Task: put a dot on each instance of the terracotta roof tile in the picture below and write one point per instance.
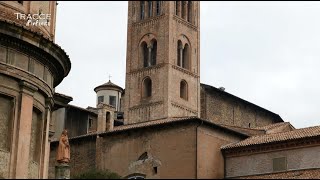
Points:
(248, 131)
(108, 84)
(158, 122)
(276, 125)
(83, 109)
(276, 137)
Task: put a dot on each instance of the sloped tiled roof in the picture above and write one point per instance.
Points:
(272, 126)
(108, 84)
(247, 131)
(160, 122)
(82, 109)
(277, 137)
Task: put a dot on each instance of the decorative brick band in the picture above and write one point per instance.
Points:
(146, 105)
(174, 104)
(147, 22)
(184, 22)
(184, 71)
(147, 70)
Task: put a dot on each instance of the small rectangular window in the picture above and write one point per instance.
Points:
(100, 99)
(112, 101)
(90, 123)
(279, 164)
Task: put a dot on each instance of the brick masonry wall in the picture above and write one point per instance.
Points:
(210, 159)
(83, 156)
(167, 29)
(220, 108)
(171, 149)
(299, 174)
(302, 158)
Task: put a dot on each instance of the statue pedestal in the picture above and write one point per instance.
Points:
(62, 171)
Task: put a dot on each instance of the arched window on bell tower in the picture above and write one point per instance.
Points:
(179, 53)
(142, 10)
(147, 88)
(185, 57)
(154, 52)
(144, 53)
(148, 53)
(184, 90)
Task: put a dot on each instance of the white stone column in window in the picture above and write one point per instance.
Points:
(181, 55)
(149, 55)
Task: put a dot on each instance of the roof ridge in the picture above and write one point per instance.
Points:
(254, 129)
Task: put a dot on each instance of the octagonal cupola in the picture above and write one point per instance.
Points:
(109, 93)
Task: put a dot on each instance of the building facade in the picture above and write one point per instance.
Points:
(283, 152)
(163, 60)
(31, 66)
(109, 93)
(175, 127)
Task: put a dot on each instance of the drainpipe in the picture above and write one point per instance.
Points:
(224, 165)
(197, 148)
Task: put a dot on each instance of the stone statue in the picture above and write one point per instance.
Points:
(63, 153)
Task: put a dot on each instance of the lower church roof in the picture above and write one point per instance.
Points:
(156, 123)
(294, 134)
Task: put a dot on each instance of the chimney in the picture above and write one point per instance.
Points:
(105, 117)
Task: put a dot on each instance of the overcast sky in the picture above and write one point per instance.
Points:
(267, 53)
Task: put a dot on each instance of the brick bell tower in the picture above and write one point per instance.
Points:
(163, 60)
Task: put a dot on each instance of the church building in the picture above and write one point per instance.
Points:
(166, 124)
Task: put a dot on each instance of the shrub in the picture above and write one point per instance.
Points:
(97, 174)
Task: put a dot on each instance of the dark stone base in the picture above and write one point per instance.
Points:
(62, 171)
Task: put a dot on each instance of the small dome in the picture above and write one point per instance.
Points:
(108, 86)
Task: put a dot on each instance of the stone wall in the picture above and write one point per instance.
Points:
(27, 64)
(8, 8)
(58, 121)
(262, 163)
(6, 106)
(30, 67)
(35, 144)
